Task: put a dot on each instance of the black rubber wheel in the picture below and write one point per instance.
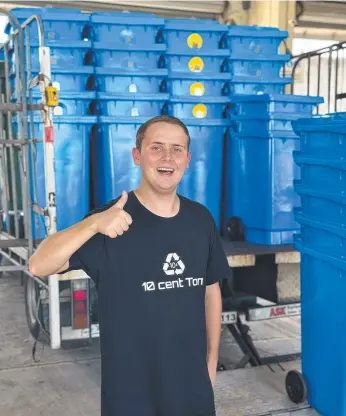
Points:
(235, 229)
(31, 295)
(296, 386)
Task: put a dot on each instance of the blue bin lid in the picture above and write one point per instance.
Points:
(306, 220)
(305, 249)
(284, 98)
(274, 134)
(159, 72)
(334, 163)
(51, 14)
(122, 120)
(132, 97)
(69, 120)
(259, 80)
(78, 70)
(74, 44)
(200, 100)
(112, 46)
(127, 18)
(259, 57)
(199, 122)
(257, 31)
(287, 116)
(301, 189)
(192, 25)
(199, 76)
(334, 123)
(70, 95)
(200, 53)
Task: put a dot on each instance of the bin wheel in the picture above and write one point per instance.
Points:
(235, 229)
(296, 386)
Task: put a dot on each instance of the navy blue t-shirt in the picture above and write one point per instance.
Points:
(151, 285)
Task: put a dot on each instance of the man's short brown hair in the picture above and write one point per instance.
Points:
(160, 119)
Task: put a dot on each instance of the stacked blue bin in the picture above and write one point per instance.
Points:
(254, 60)
(131, 83)
(322, 243)
(260, 169)
(66, 33)
(198, 80)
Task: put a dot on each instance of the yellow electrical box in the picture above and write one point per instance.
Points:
(52, 96)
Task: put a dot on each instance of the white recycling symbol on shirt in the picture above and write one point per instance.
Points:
(173, 265)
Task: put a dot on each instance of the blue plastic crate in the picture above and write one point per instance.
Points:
(184, 35)
(204, 108)
(128, 81)
(199, 85)
(264, 104)
(140, 58)
(71, 168)
(260, 174)
(66, 80)
(71, 103)
(262, 66)
(321, 204)
(255, 39)
(322, 173)
(262, 125)
(62, 55)
(256, 85)
(124, 28)
(112, 147)
(72, 80)
(323, 286)
(203, 62)
(58, 24)
(323, 136)
(322, 236)
(202, 181)
(131, 105)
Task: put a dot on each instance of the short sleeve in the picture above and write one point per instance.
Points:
(88, 257)
(218, 267)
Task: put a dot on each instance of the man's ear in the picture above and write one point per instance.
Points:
(136, 154)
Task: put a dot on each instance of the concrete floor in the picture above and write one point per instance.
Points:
(67, 382)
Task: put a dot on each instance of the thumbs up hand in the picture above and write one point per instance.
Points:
(115, 220)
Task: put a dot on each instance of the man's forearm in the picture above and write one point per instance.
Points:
(213, 306)
(54, 252)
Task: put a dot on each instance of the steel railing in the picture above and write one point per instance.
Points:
(322, 72)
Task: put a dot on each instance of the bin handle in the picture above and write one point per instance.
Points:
(88, 32)
(162, 62)
(92, 83)
(223, 44)
(90, 58)
(225, 66)
(159, 38)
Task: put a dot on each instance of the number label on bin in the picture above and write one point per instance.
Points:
(228, 318)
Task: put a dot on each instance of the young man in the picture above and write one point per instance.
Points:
(156, 259)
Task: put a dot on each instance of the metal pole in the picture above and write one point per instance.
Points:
(53, 281)
(13, 170)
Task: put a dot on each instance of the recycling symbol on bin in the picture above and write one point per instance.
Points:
(173, 265)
